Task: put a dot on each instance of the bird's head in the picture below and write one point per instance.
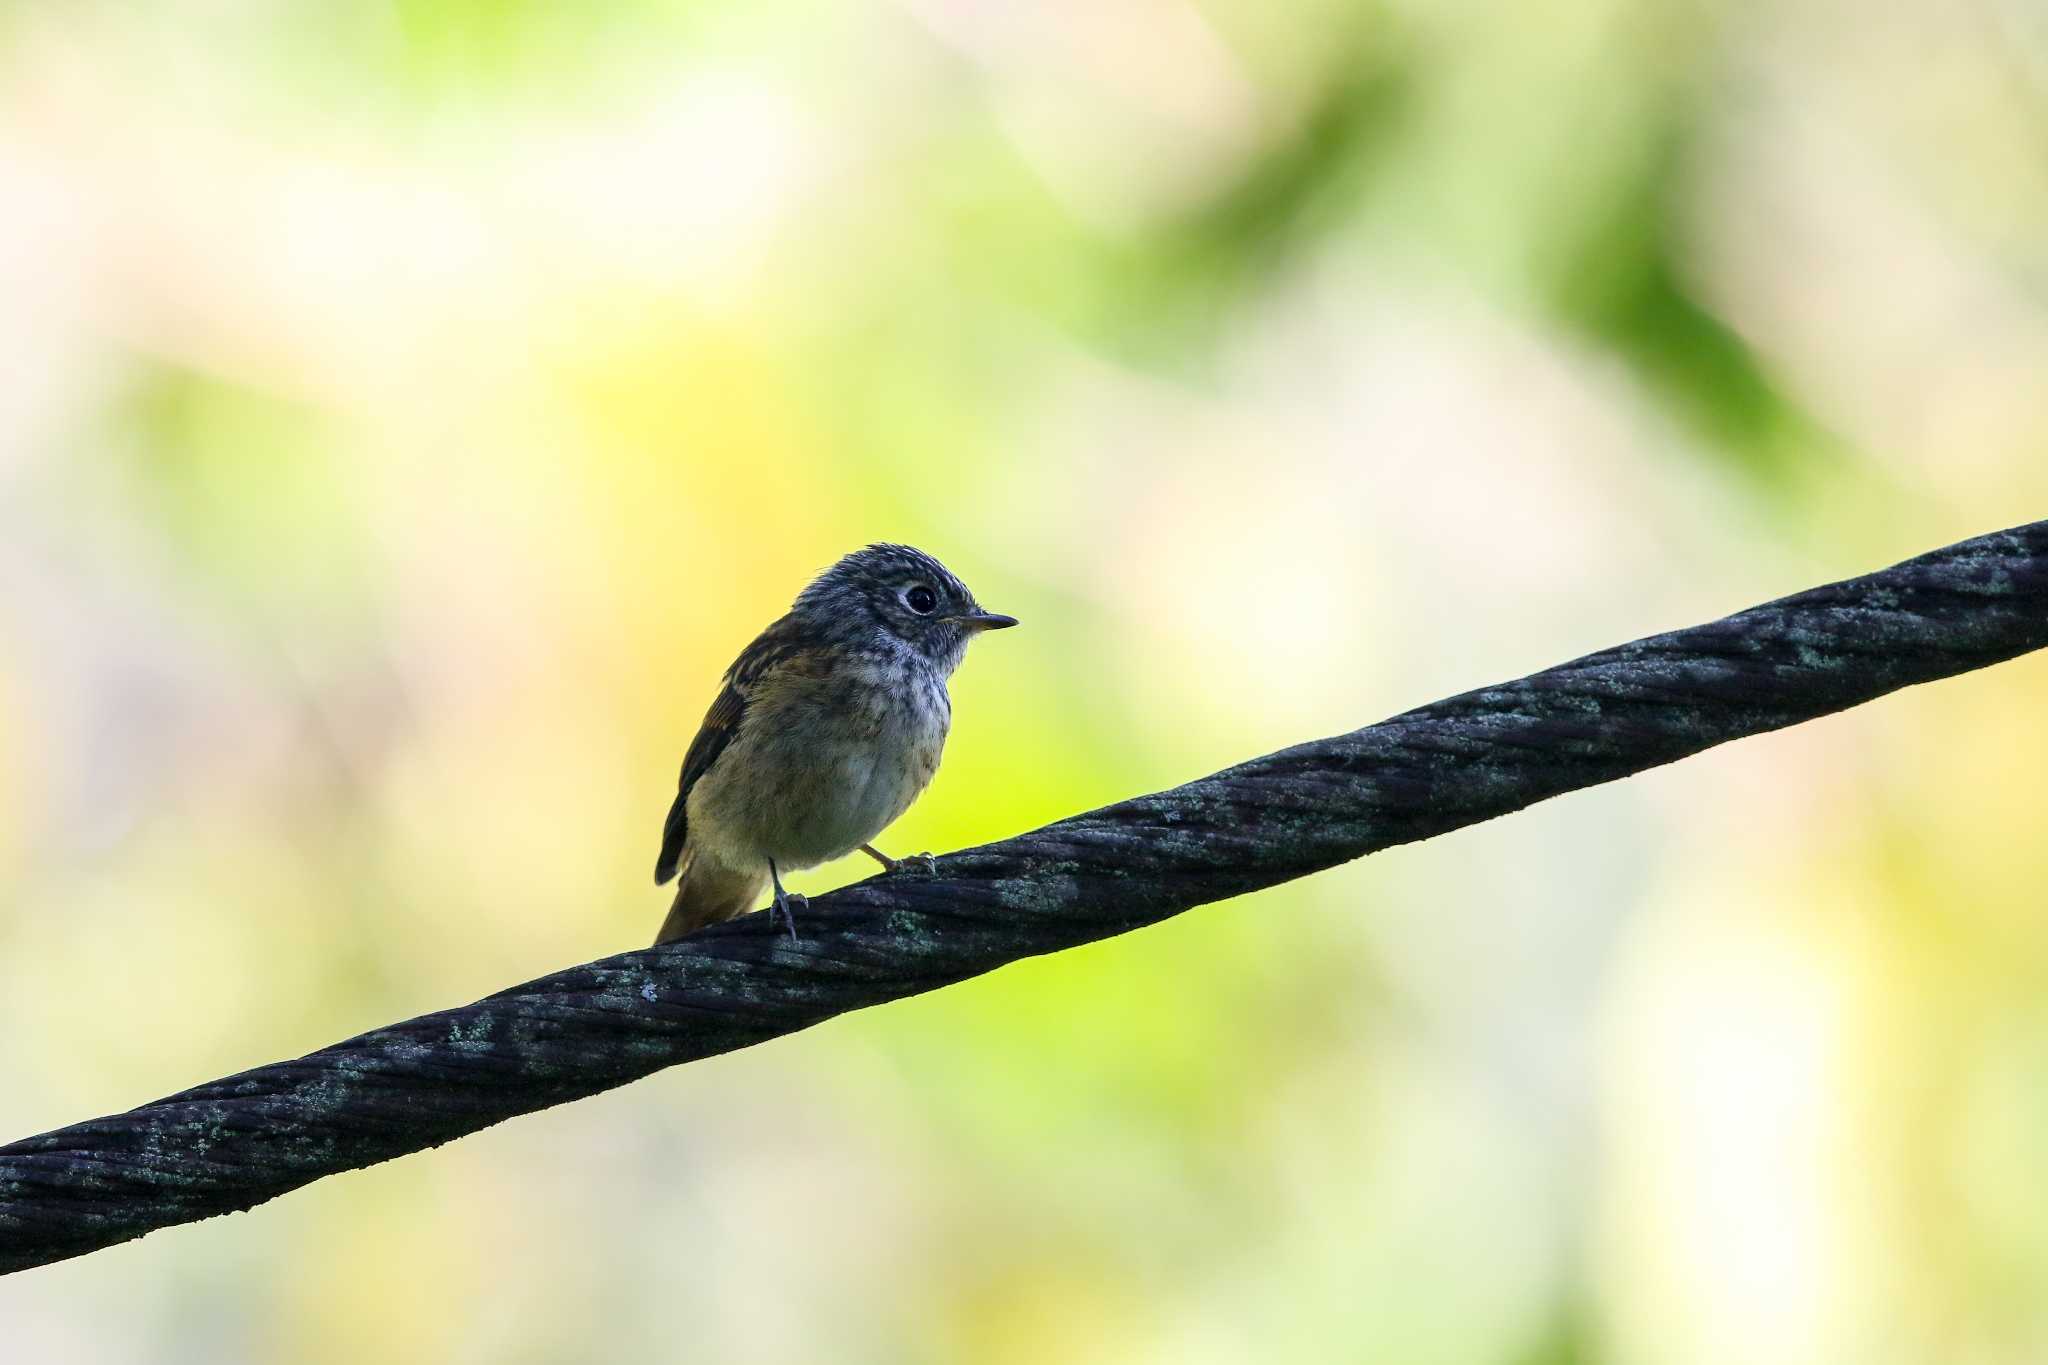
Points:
(904, 596)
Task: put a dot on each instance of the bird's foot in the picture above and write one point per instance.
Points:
(924, 861)
(787, 903)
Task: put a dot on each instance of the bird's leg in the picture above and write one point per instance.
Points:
(931, 865)
(786, 901)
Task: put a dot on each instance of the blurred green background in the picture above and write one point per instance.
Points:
(408, 408)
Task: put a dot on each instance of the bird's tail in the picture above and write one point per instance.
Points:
(708, 891)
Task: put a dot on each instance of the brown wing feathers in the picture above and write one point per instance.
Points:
(721, 722)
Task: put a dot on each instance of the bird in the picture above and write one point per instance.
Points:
(823, 732)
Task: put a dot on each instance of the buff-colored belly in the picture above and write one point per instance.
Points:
(803, 784)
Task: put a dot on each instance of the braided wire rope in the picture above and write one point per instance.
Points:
(233, 1143)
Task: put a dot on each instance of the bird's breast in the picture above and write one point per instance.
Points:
(819, 771)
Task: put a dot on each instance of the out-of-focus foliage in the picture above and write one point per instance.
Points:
(407, 409)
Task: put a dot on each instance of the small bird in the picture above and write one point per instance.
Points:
(827, 728)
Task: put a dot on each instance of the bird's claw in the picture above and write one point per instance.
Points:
(786, 905)
(928, 864)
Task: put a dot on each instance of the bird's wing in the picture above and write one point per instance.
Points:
(772, 647)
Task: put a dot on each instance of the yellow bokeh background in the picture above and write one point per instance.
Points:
(408, 408)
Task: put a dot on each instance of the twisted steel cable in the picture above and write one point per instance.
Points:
(233, 1143)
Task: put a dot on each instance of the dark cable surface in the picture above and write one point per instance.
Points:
(233, 1143)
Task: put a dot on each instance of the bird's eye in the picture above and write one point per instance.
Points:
(921, 600)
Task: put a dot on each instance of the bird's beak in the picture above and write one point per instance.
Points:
(985, 620)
